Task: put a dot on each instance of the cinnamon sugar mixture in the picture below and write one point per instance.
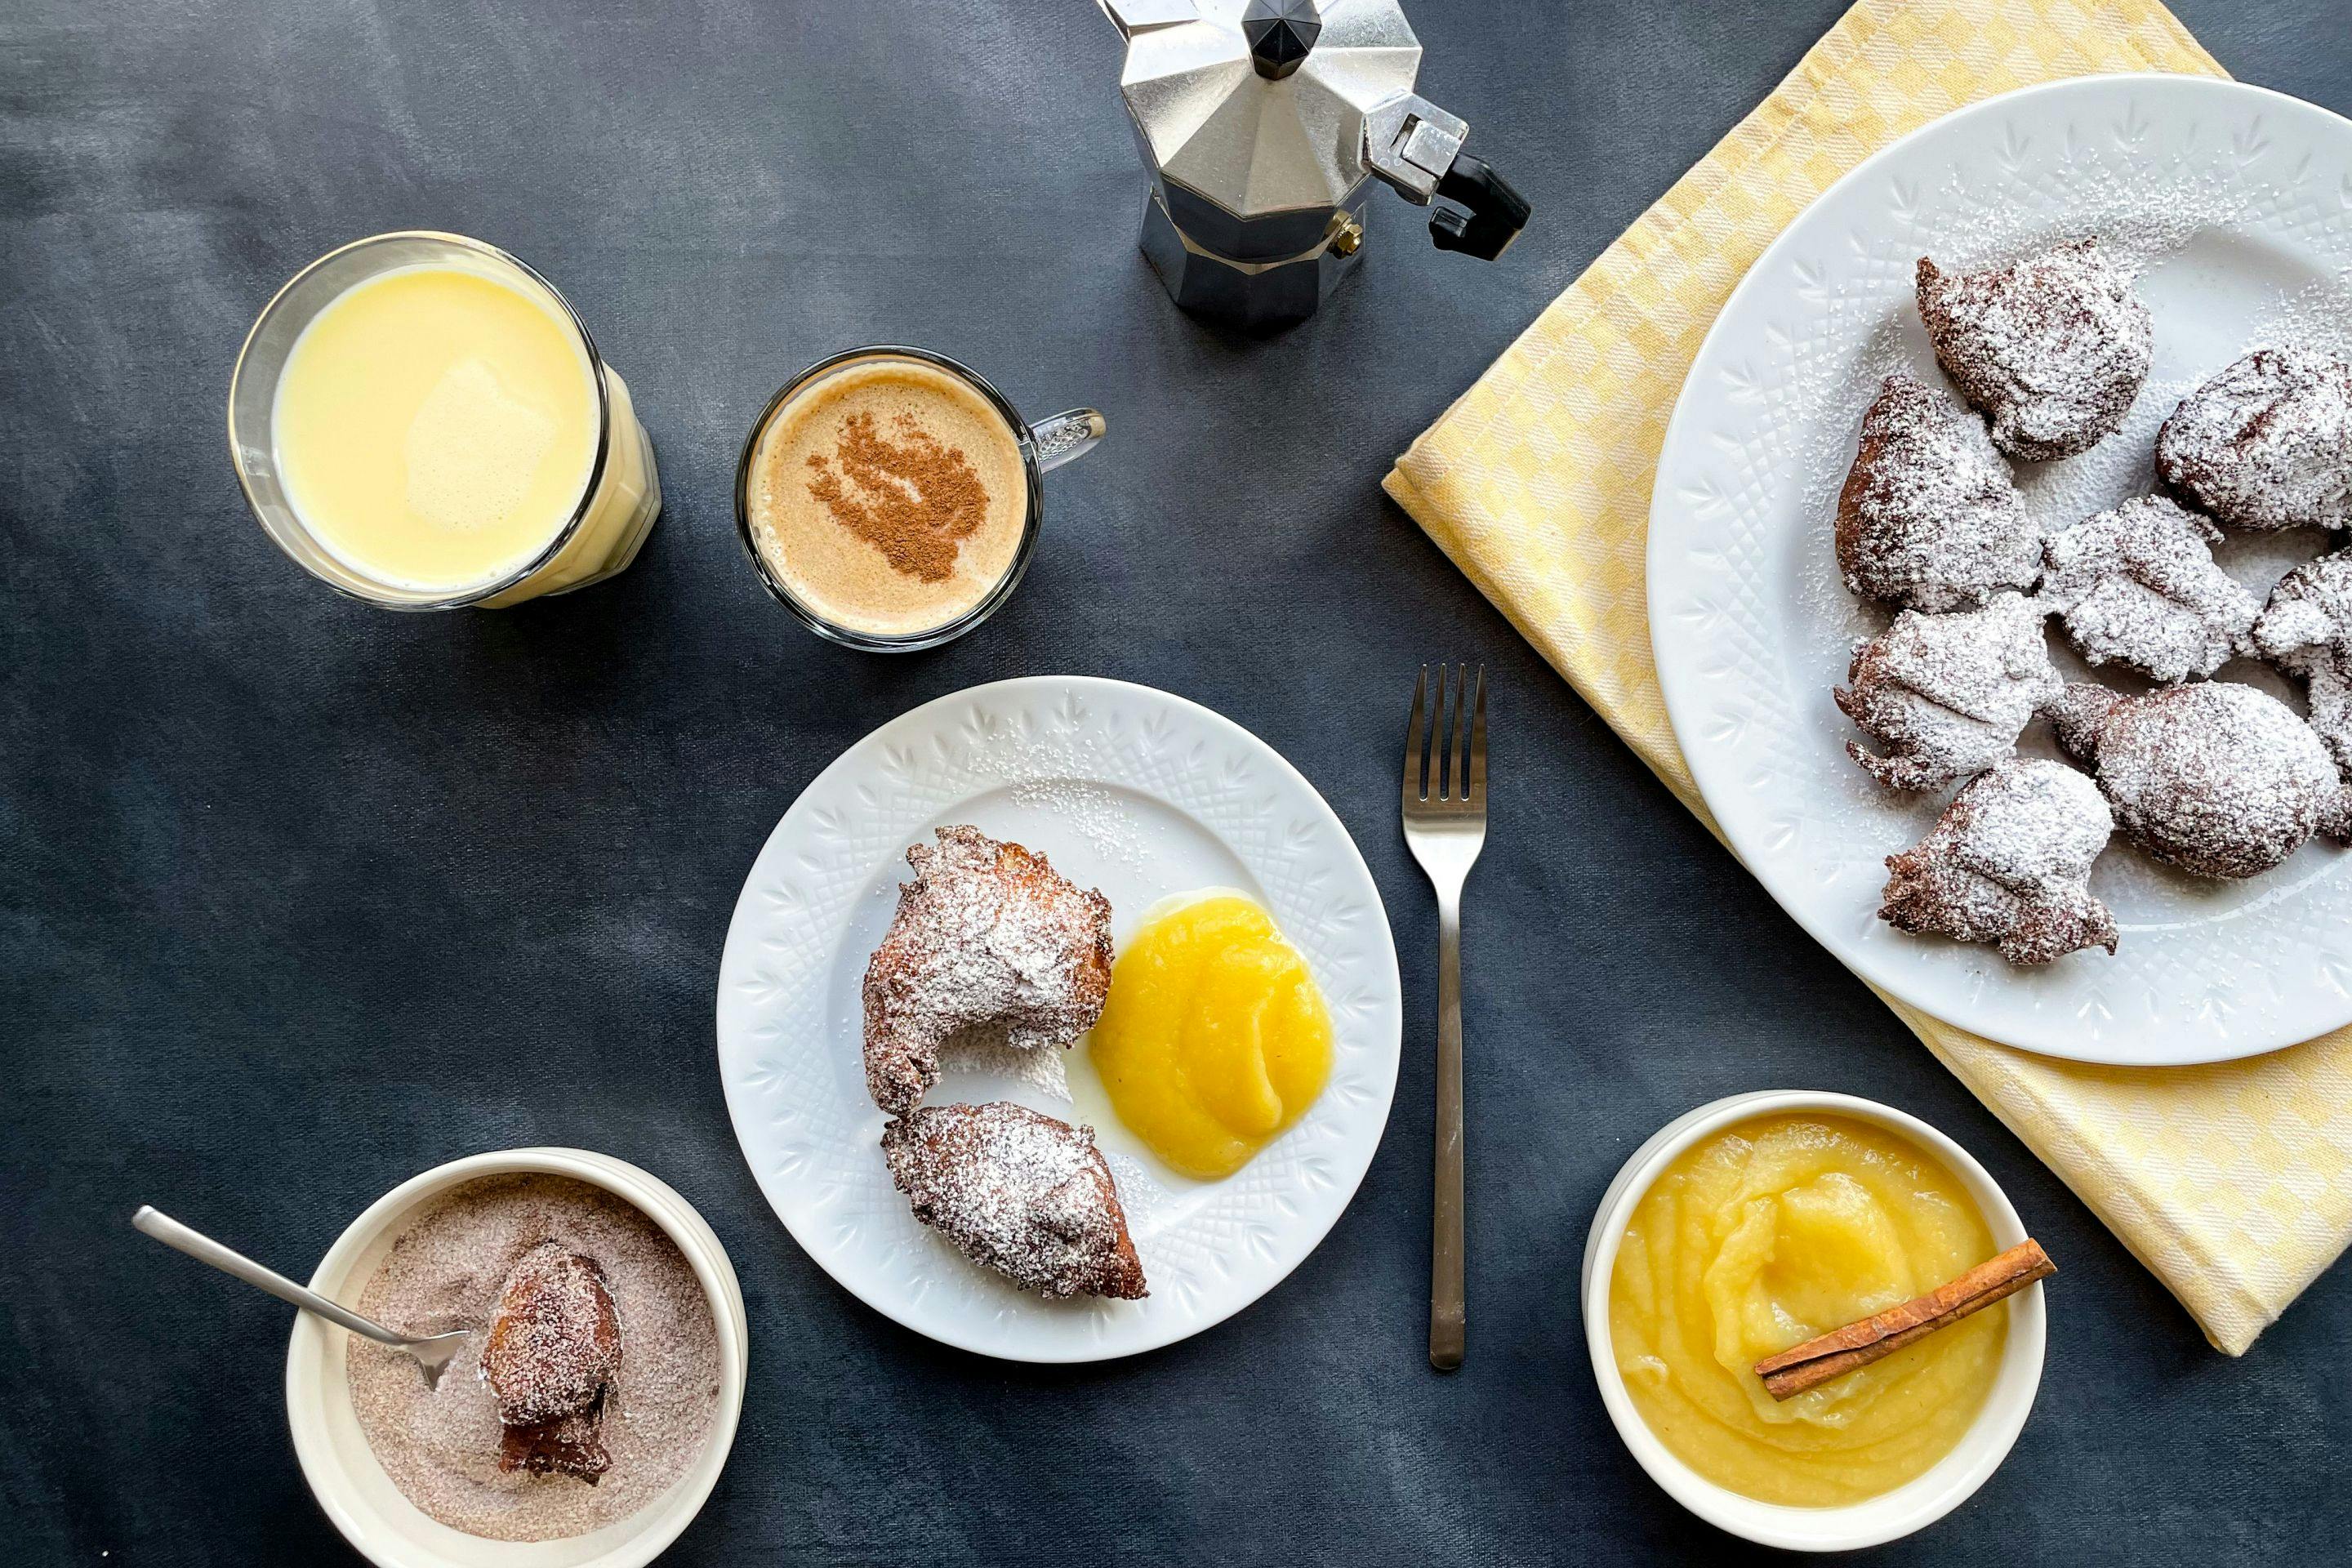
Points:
(440, 1446)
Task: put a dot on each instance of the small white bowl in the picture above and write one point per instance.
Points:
(352, 1486)
(1913, 1506)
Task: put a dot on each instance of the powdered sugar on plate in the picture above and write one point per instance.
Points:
(1048, 773)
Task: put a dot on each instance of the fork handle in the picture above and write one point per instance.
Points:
(1447, 1306)
(153, 1222)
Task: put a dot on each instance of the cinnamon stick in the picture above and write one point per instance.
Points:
(1842, 1351)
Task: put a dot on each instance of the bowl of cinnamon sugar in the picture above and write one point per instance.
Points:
(585, 1423)
(1817, 1322)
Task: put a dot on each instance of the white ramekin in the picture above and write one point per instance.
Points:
(352, 1486)
(1911, 1507)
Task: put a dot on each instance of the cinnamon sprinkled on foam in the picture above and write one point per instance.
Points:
(907, 493)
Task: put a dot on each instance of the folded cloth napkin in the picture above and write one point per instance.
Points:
(2233, 1183)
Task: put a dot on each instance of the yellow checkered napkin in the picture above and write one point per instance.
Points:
(2233, 1183)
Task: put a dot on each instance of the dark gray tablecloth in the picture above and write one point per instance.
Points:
(300, 897)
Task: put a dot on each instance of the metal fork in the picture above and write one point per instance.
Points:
(433, 1351)
(1445, 826)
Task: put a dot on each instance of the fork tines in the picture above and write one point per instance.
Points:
(1452, 773)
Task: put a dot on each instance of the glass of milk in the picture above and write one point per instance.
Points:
(421, 421)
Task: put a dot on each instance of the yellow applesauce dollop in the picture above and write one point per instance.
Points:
(1765, 1236)
(1214, 1039)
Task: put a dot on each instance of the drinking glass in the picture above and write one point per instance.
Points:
(1044, 446)
(617, 505)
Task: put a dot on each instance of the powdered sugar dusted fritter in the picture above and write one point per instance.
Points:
(1929, 518)
(2138, 586)
(1949, 695)
(2053, 348)
(2265, 444)
(990, 946)
(2217, 778)
(1017, 1192)
(2010, 862)
(2307, 630)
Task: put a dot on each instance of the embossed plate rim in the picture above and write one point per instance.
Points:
(968, 1309)
(2055, 1012)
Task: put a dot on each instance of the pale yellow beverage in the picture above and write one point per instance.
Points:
(436, 429)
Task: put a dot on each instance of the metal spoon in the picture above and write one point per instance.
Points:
(432, 1351)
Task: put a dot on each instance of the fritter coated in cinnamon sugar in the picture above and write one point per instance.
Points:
(554, 1346)
(554, 1339)
(1929, 518)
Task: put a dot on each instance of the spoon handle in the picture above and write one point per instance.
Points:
(205, 1250)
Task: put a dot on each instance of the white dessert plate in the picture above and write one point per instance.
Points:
(1123, 788)
(2237, 203)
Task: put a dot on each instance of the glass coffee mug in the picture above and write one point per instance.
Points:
(891, 497)
(421, 421)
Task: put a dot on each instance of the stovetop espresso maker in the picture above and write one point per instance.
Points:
(1263, 122)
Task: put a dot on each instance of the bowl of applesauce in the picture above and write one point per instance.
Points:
(1761, 1220)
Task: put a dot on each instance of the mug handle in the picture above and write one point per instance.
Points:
(1065, 437)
